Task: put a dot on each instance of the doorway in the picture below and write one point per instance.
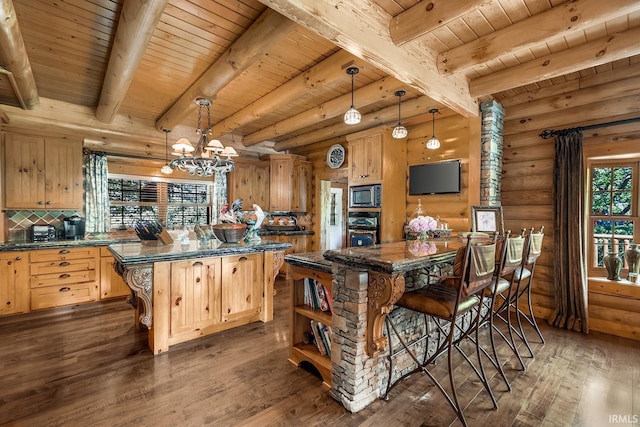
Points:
(333, 214)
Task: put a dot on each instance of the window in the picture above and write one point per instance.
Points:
(173, 204)
(614, 214)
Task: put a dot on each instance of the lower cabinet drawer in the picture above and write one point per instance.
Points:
(70, 277)
(56, 296)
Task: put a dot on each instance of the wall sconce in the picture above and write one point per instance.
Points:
(399, 131)
(433, 143)
(352, 116)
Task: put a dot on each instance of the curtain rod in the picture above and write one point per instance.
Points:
(126, 156)
(548, 133)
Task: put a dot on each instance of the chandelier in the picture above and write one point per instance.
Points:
(206, 158)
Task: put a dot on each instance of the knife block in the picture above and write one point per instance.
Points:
(165, 237)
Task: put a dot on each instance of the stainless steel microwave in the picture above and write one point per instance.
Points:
(365, 196)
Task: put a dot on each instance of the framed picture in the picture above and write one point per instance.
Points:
(487, 219)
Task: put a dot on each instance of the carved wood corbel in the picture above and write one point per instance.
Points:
(139, 278)
(383, 291)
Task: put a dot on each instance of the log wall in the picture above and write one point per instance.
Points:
(527, 185)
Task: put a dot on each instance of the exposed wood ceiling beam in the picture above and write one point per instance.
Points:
(415, 107)
(324, 73)
(362, 28)
(13, 55)
(137, 22)
(369, 94)
(554, 23)
(267, 31)
(427, 16)
(601, 51)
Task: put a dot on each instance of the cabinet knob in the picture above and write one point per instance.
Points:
(63, 251)
(48, 202)
(64, 264)
(197, 263)
(18, 258)
(65, 276)
(65, 289)
(40, 202)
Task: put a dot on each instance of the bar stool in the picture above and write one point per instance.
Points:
(446, 302)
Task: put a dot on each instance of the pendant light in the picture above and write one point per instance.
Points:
(166, 169)
(433, 143)
(352, 116)
(399, 131)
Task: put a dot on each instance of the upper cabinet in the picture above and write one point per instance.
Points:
(365, 158)
(290, 188)
(42, 173)
(250, 182)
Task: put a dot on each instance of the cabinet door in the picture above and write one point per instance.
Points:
(63, 174)
(302, 186)
(240, 185)
(14, 284)
(24, 170)
(365, 159)
(261, 186)
(242, 280)
(112, 285)
(195, 294)
(280, 189)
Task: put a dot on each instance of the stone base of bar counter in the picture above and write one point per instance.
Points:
(366, 283)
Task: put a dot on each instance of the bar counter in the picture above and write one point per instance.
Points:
(367, 281)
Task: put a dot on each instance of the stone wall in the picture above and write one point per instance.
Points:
(491, 154)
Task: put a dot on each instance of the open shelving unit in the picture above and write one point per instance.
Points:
(301, 314)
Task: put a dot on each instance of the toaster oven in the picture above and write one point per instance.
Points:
(42, 233)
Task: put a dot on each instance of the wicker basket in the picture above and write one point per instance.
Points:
(229, 233)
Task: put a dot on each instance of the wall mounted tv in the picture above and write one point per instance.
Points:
(434, 178)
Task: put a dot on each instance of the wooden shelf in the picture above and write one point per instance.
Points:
(301, 315)
(314, 314)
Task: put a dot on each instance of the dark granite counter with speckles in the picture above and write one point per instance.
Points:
(143, 252)
(284, 233)
(311, 260)
(396, 257)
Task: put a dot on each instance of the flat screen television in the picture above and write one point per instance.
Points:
(434, 178)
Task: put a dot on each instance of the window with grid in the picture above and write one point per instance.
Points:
(173, 204)
(614, 212)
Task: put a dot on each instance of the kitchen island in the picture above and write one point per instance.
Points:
(183, 292)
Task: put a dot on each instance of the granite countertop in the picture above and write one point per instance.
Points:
(24, 245)
(396, 257)
(311, 260)
(149, 252)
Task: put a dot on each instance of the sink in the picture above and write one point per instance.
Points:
(275, 227)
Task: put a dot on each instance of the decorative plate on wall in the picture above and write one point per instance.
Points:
(335, 156)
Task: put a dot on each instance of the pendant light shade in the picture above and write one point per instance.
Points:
(166, 169)
(399, 131)
(433, 143)
(352, 116)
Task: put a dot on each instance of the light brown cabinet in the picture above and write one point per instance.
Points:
(290, 187)
(14, 283)
(195, 295)
(365, 159)
(111, 283)
(375, 157)
(42, 173)
(250, 182)
(242, 276)
(66, 276)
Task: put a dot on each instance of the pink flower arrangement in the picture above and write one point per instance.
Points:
(422, 224)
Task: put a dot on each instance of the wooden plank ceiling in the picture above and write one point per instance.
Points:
(116, 72)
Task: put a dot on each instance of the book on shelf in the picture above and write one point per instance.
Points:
(325, 335)
(317, 337)
(316, 295)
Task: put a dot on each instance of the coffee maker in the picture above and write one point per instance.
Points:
(73, 227)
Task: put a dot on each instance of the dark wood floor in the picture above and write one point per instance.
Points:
(87, 366)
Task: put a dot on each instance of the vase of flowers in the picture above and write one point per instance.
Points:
(422, 226)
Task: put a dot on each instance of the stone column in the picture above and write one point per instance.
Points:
(219, 195)
(491, 158)
(354, 375)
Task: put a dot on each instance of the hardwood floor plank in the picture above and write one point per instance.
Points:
(87, 365)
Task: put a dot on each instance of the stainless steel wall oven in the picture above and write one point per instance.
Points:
(363, 228)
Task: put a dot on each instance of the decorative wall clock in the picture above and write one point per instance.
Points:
(335, 156)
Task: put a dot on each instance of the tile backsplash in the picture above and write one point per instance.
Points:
(18, 222)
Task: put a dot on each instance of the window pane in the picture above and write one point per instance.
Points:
(601, 179)
(601, 203)
(622, 178)
(622, 203)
